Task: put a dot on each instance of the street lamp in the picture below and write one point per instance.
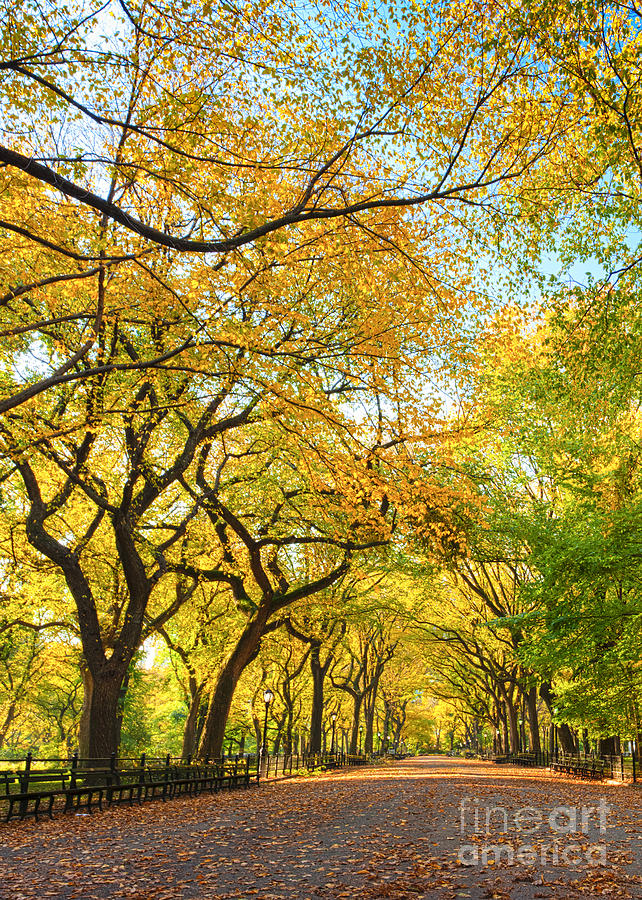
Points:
(334, 725)
(360, 738)
(379, 739)
(268, 697)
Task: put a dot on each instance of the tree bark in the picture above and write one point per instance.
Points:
(316, 718)
(356, 717)
(505, 737)
(244, 652)
(8, 719)
(609, 746)
(369, 715)
(566, 739)
(511, 715)
(190, 733)
(533, 719)
(98, 732)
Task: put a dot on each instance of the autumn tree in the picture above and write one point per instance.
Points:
(228, 273)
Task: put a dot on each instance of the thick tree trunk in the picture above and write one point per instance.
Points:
(289, 717)
(609, 746)
(566, 738)
(83, 727)
(98, 733)
(243, 653)
(505, 738)
(214, 731)
(533, 719)
(316, 718)
(369, 715)
(401, 721)
(356, 716)
(513, 725)
(565, 735)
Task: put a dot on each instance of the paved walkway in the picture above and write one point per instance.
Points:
(422, 828)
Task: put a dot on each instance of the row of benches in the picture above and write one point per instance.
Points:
(520, 759)
(34, 792)
(580, 768)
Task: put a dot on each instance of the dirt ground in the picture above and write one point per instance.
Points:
(422, 828)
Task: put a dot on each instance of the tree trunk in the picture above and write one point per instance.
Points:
(316, 718)
(566, 739)
(288, 742)
(608, 746)
(83, 727)
(401, 721)
(586, 747)
(369, 715)
(190, 733)
(533, 719)
(256, 724)
(8, 719)
(98, 732)
(120, 712)
(356, 716)
(565, 734)
(242, 655)
(511, 715)
(505, 738)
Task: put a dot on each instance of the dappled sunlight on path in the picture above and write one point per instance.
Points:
(422, 828)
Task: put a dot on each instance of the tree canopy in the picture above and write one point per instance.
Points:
(300, 385)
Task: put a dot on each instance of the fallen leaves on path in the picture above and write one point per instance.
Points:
(385, 832)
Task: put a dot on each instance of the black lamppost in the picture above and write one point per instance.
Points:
(334, 725)
(268, 697)
(379, 738)
(360, 738)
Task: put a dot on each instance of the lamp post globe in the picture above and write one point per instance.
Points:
(334, 725)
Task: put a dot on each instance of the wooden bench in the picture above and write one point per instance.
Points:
(360, 760)
(234, 774)
(26, 792)
(32, 792)
(580, 768)
(28, 802)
